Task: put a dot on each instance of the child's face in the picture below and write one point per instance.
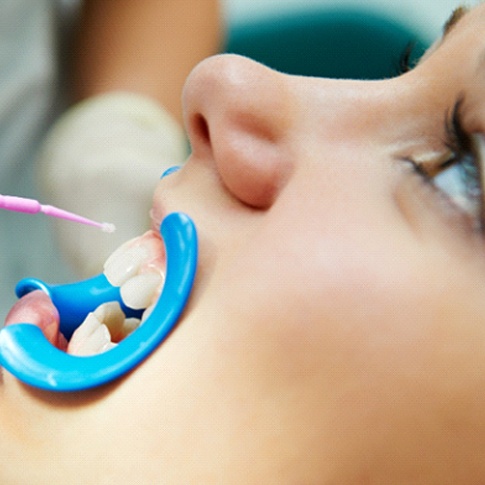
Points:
(337, 326)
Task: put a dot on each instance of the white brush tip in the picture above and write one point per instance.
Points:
(108, 227)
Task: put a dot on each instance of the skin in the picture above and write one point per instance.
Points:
(335, 332)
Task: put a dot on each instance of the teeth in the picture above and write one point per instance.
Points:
(138, 291)
(130, 325)
(101, 329)
(124, 263)
(137, 267)
(120, 250)
(92, 337)
(147, 313)
(113, 317)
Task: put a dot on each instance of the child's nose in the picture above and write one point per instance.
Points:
(238, 114)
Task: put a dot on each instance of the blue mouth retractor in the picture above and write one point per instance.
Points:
(28, 355)
(170, 171)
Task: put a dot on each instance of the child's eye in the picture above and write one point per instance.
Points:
(460, 180)
(459, 177)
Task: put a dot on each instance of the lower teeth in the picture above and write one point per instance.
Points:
(102, 330)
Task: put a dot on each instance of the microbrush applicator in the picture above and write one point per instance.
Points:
(32, 206)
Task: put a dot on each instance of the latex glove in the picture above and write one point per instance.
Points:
(102, 160)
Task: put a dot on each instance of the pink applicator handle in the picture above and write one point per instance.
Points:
(32, 206)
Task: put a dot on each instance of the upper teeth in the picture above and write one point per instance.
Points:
(138, 291)
(124, 263)
(137, 267)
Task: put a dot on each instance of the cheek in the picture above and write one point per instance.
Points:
(369, 343)
(345, 311)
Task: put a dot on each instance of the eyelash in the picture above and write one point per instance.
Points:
(461, 172)
(464, 156)
(405, 65)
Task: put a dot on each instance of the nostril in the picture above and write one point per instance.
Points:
(201, 128)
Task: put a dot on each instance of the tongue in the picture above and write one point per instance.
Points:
(36, 308)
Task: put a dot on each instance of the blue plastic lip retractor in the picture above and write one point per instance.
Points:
(28, 355)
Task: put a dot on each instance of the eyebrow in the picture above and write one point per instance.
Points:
(457, 14)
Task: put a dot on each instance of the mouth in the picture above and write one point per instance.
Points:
(138, 268)
(26, 350)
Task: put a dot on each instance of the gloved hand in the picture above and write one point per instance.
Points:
(102, 160)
